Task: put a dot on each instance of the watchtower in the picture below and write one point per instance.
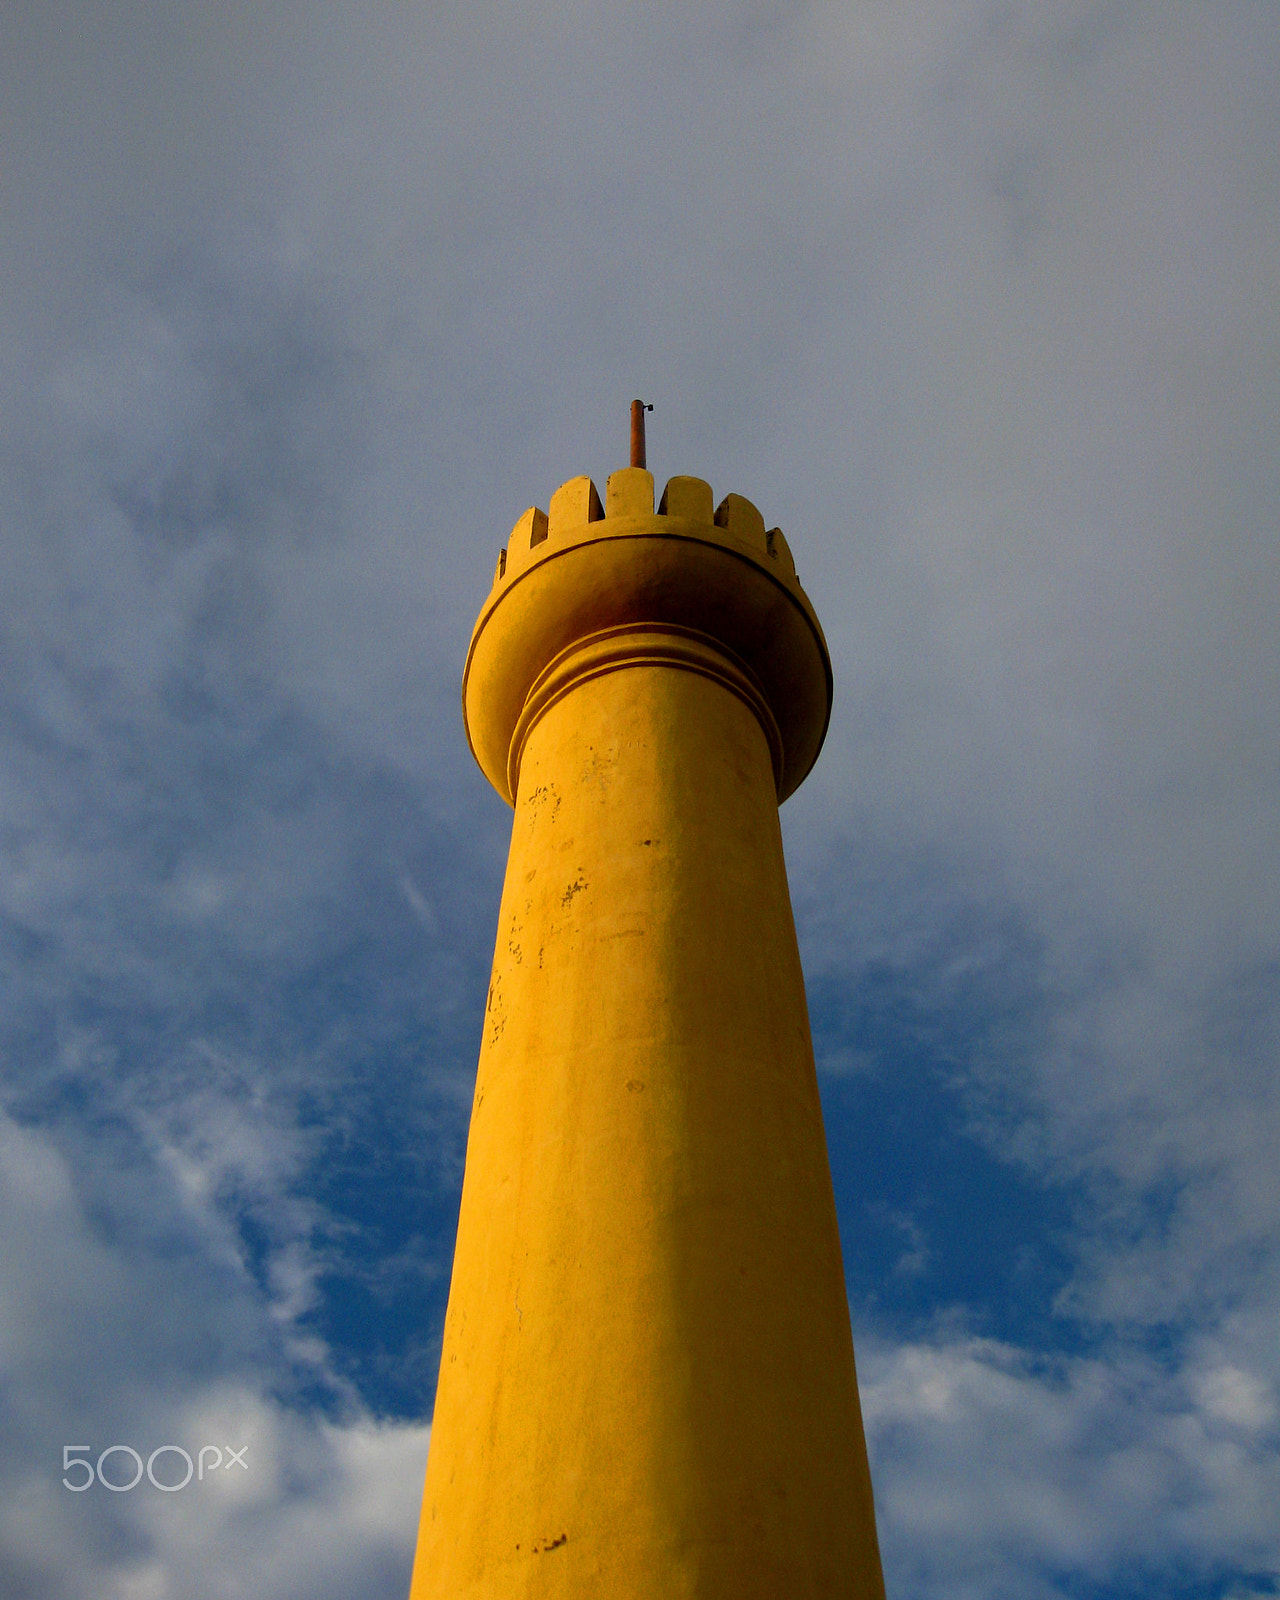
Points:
(647, 1385)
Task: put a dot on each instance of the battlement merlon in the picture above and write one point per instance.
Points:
(587, 568)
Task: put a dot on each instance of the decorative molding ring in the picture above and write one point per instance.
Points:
(640, 644)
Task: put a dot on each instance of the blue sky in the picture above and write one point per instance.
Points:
(300, 307)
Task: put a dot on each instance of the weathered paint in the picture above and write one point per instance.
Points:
(647, 1382)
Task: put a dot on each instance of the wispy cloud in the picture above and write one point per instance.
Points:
(997, 1474)
(299, 312)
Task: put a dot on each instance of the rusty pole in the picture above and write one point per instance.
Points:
(638, 409)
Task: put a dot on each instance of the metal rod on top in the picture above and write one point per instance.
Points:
(638, 409)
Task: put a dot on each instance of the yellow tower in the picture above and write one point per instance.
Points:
(647, 1385)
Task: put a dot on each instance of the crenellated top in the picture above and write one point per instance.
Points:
(582, 569)
(628, 496)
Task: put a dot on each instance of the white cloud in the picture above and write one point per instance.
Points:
(998, 1474)
(106, 1340)
(280, 1501)
(1050, 615)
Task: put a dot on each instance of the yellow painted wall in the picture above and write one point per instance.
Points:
(647, 1383)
